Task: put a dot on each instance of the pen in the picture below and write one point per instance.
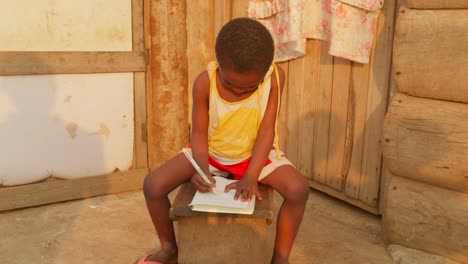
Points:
(197, 168)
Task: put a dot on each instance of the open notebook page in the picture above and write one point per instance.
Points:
(220, 199)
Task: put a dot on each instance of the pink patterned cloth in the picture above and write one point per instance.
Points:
(349, 26)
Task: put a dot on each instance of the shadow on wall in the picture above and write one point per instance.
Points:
(42, 138)
(45, 132)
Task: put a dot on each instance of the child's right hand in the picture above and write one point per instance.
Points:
(201, 184)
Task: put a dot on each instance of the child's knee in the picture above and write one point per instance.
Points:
(151, 188)
(299, 190)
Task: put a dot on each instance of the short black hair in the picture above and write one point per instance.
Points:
(244, 45)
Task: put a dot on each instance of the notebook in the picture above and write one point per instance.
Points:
(221, 202)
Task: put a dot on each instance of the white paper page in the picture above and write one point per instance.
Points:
(220, 198)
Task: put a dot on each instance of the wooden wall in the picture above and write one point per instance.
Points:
(332, 111)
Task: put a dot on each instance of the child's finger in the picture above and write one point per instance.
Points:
(198, 180)
(200, 187)
(258, 195)
(212, 180)
(230, 187)
(238, 194)
(245, 195)
(249, 196)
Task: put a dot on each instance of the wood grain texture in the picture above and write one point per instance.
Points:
(167, 100)
(427, 218)
(342, 196)
(357, 113)
(223, 13)
(234, 240)
(293, 108)
(338, 117)
(322, 114)
(430, 54)
(31, 63)
(309, 74)
(239, 8)
(200, 41)
(63, 190)
(426, 140)
(379, 79)
(283, 115)
(437, 4)
(141, 145)
(138, 38)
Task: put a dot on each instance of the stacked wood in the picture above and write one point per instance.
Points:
(427, 140)
(437, 4)
(427, 218)
(431, 53)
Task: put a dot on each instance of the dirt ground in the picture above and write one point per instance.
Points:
(117, 229)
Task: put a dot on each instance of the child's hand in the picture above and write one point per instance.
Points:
(246, 188)
(201, 184)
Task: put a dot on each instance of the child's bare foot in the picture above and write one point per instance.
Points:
(166, 255)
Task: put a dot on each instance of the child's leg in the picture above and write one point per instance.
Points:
(157, 185)
(294, 188)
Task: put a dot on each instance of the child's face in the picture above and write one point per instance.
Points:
(240, 83)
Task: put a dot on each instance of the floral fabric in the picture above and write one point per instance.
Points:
(348, 26)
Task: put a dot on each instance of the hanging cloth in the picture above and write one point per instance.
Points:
(349, 26)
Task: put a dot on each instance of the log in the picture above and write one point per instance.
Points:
(437, 4)
(427, 140)
(430, 53)
(427, 218)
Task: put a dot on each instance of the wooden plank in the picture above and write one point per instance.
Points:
(30, 63)
(138, 39)
(200, 44)
(427, 218)
(141, 146)
(357, 114)
(223, 13)
(149, 72)
(437, 4)
(379, 81)
(294, 97)
(393, 90)
(283, 115)
(384, 185)
(339, 114)
(239, 8)
(168, 128)
(431, 51)
(342, 196)
(63, 190)
(306, 116)
(322, 115)
(426, 140)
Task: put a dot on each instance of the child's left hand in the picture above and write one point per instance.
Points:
(247, 187)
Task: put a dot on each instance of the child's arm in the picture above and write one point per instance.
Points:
(248, 186)
(199, 138)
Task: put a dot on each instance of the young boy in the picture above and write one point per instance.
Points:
(235, 113)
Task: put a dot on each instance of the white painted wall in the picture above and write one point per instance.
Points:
(65, 25)
(68, 126)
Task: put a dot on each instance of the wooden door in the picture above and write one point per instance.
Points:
(332, 111)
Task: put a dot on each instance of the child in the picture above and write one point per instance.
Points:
(235, 111)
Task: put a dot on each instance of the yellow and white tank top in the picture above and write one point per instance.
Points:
(233, 126)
